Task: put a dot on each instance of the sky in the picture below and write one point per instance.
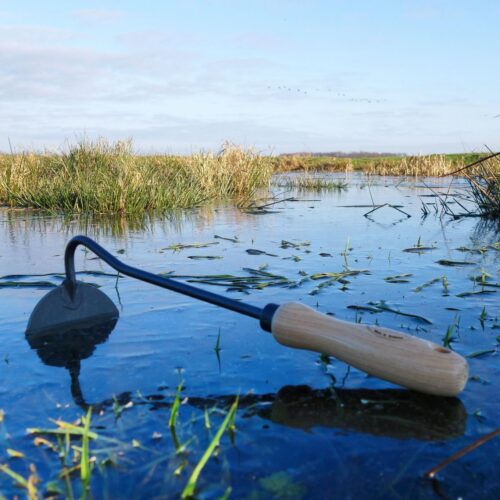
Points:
(277, 75)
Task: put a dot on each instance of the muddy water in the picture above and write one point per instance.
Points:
(307, 426)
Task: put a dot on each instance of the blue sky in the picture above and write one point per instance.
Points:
(277, 75)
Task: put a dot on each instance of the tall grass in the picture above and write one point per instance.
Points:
(484, 182)
(293, 163)
(103, 177)
(411, 166)
(108, 178)
(416, 166)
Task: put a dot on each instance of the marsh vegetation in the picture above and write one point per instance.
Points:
(105, 178)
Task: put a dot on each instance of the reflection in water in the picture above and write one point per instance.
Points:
(486, 231)
(21, 222)
(66, 348)
(394, 413)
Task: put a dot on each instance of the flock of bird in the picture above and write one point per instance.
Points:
(341, 95)
(298, 91)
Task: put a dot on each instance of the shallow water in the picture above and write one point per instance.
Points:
(307, 426)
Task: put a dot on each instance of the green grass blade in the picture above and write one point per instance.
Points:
(190, 487)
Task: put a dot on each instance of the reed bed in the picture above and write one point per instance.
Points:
(410, 166)
(295, 163)
(103, 177)
(484, 183)
(108, 178)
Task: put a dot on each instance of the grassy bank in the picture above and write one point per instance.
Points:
(102, 177)
(424, 165)
(108, 178)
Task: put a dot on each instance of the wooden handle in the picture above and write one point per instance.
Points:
(399, 358)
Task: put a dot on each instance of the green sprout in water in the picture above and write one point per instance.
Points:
(174, 412)
(448, 338)
(190, 487)
(445, 283)
(483, 316)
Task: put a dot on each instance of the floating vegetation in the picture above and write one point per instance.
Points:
(398, 278)
(258, 279)
(55, 275)
(484, 279)
(288, 244)
(418, 248)
(339, 275)
(253, 251)
(295, 258)
(479, 354)
(382, 306)
(428, 283)
(204, 257)
(233, 240)
(474, 292)
(331, 278)
(477, 250)
(27, 284)
(452, 263)
(181, 246)
(371, 309)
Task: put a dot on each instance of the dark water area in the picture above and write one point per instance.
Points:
(307, 426)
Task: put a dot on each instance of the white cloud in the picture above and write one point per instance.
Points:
(98, 16)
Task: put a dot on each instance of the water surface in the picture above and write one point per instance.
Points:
(307, 426)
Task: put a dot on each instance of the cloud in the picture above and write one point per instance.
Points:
(40, 64)
(98, 16)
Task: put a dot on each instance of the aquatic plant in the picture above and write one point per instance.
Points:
(484, 182)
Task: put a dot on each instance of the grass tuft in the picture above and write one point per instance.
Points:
(103, 177)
